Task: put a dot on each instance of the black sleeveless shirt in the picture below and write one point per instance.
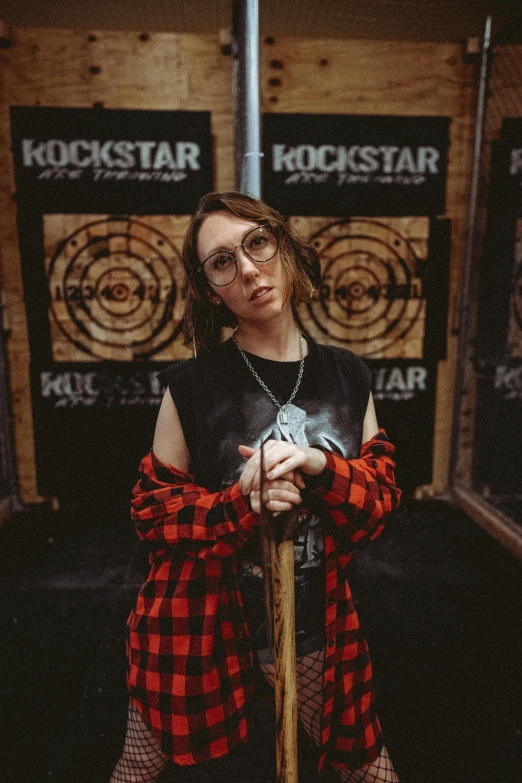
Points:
(221, 405)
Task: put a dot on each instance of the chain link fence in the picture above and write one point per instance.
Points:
(490, 422)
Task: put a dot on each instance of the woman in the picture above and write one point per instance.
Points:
(198, 626)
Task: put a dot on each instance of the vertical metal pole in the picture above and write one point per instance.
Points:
(248, 118)
(470, 254)
(281, 568)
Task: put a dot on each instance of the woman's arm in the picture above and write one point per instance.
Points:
(170, 509)
(360, 492)
(169, 443)
(370, 426)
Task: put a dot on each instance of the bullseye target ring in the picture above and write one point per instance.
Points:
(113, 285)
(370, 296)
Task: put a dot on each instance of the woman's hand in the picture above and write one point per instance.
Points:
(278, 495)
(282, 460)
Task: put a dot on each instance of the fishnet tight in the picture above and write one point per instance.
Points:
(379, 770)
(142, 760)
(309, 707)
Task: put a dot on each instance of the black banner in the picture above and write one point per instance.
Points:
(507, 381)
(507, 171)
(404, 394)
(104, 198)
(330, 164)
(498, 445)
(109, 159)
(501, 268)
(93, 423)
(100, 385)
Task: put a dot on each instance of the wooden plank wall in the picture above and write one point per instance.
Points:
(167, 71)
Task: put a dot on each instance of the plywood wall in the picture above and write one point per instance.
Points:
(167, 71)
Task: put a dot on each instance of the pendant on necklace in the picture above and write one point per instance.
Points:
(291, 421)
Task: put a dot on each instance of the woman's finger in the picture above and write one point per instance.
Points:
(247, 478)
(290, 463)
(246, 451)
(283, 494)
(286, 457)
(278, 505)
(283, 491)
(250, 478)
(299, 480)
(278, 495)
(280, 459)
(255, 502)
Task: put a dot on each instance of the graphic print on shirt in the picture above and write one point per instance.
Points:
(320, 428)
(308, 544)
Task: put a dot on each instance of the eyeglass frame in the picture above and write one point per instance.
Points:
(201, 269)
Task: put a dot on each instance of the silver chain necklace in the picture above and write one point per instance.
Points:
(291, 420)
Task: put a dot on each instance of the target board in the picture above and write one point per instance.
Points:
(115, 286)
(372, 297)
(515, 305)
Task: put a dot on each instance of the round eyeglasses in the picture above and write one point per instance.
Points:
(260, 244)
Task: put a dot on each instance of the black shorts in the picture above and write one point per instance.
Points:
(309, 612)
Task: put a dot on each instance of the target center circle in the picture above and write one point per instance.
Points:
(357, 290)
(120, 291)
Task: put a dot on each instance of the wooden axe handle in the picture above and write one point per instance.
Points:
(278, 572)
(284, 655)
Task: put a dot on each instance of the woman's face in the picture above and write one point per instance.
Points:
(258, 292)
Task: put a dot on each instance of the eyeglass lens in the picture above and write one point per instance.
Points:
(260, 244)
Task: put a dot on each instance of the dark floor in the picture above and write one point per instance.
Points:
(441, 603)
(508, 504)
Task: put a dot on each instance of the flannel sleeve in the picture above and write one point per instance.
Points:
(359, 492)
(169, 509)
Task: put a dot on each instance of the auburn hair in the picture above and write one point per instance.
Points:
(202, 320)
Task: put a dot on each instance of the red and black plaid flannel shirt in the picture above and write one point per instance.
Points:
(190, 664)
